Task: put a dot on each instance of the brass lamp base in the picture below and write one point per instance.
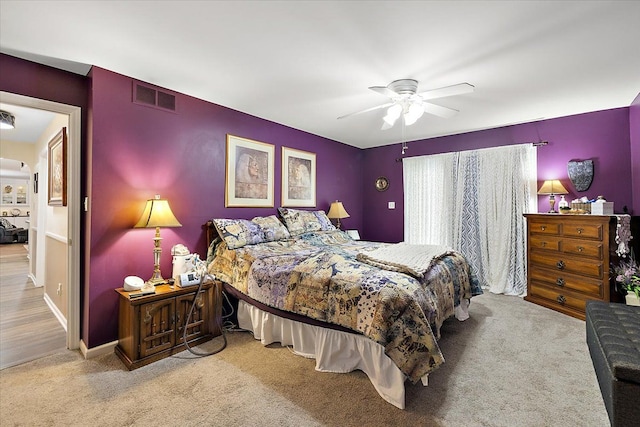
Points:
(156, 278)
(552, 203)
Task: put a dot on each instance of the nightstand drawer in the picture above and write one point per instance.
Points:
(560, 280)
(583, 248)
(567, 264)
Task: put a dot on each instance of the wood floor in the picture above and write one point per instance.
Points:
(28, 328)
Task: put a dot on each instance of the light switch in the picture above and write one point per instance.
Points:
(392, 205)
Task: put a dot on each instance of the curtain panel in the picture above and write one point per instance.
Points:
(474, 201)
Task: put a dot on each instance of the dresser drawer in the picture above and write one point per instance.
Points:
(545, 243)
(560, 280)
(583, 231)
(583, 248)
(583, 267)
(549, 228)
(559, 299)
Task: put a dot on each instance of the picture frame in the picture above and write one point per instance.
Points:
(35, 183)
(298, 178)
(249, 173)
(57, 169)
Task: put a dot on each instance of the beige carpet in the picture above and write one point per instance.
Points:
(511, 364)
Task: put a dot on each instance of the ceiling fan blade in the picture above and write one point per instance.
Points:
(440, 111)
(383, 90)
(458, 89)
(378, 107)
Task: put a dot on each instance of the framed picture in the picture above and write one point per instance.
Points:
(298, 178)
(35, 183)
(250, 172)
(57, 169)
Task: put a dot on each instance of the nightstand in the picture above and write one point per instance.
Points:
(151, 327)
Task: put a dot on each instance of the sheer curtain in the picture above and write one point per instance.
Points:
(473, 201)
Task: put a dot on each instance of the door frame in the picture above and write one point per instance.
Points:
(73, 202)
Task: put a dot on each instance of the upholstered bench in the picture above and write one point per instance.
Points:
(613, 337)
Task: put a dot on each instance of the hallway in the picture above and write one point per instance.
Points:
(28, 328)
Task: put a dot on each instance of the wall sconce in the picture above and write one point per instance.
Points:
(337, 211)
(157, 213)
(552, 187)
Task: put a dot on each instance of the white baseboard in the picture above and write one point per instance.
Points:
(90, 353)
(33, 280)
(56, 312)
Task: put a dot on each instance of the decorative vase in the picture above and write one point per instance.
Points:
(632, 299)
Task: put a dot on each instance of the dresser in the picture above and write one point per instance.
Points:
(568, 258)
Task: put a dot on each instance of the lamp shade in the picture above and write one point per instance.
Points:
(157, 213)
(337, 211)
(552, 186)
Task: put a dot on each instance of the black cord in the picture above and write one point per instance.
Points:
(218, 323)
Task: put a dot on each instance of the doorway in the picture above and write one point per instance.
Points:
(72, 239)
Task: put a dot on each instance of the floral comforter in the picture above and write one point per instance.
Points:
(317, 275)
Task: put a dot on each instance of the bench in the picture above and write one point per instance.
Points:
(613, 338)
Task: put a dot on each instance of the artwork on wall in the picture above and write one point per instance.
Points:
(580, 174)
(298, 178)
(57, 169)
(250, 173)
(35, 183)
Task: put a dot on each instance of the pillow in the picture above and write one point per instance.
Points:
(272, 228)
(239, 232)
(299, 222)
(4, 223)
(325, 222)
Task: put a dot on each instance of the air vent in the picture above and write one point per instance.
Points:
(152, 97)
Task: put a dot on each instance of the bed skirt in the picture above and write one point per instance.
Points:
(334, 351)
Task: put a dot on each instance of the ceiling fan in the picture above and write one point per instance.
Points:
(411, 105)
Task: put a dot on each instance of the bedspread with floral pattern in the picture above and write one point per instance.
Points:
(317, 275)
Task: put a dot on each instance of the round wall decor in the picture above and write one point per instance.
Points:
(382, 184)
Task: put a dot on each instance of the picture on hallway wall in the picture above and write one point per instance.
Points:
(57, 169)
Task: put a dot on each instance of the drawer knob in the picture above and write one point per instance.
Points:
(580, 249)
(579, 230)
(560, 264)
(561, 299)
(543, 244)
(543, 228)
(560, 281)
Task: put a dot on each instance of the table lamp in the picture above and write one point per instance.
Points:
(552, 187)
(337, 211)
(157, 213)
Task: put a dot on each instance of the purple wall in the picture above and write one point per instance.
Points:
(634, 134)
(602, 136)
(137, 151)
(39, 81)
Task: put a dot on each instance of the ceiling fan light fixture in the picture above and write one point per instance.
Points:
(393, 113)
(414, 112)
(7, 120)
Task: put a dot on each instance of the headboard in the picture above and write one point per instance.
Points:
(212, 233)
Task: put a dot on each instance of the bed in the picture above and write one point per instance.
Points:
(348, 304)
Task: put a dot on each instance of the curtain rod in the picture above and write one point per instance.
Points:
(535, 144)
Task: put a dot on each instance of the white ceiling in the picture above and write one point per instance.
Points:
(305, 63)
(30, 123)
